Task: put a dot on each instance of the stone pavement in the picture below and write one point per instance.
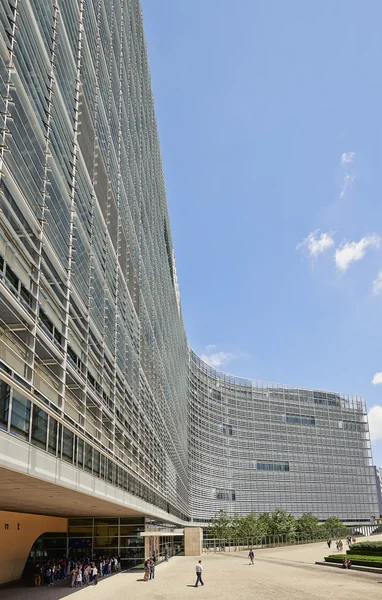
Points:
(286, 573)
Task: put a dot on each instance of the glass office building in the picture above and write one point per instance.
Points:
(92, 339)
(258, 446)
(94, 364)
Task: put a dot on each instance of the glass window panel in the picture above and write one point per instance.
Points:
(52, 437)
(129, 542)
(11, 276)
(88, 458)
(20, 418)
(131, 530)
(67, 444)
(111, 471)
(105, 542)
(80, 531)
(106, 530)
(81, 522)
(39, 427)
(96, 459)
(133, 521)
(80, 452)
(5, 392)
(103, 462)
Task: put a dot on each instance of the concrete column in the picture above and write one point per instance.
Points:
(193, 541)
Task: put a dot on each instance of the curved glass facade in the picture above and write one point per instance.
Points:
(94, 364)
(257, 446)
(91, 328)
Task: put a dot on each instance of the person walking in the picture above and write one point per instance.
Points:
(166, 555)
(251, 556)
(199, 571)
(329, 542)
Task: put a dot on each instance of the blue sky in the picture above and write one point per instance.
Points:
(269, 116)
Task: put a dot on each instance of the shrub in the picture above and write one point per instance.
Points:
(364, 552)
(372, 547)
(364, 561)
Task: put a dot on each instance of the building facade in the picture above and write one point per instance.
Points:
(92, 343)
(99, 392)
(256, 446)
(378, 483)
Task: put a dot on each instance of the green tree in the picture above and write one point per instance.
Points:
(250, 526)
(307, 525)
(263, 524)
(237, 527)
(280, 523)
(221, 526)
(245, 527)
(334, 527)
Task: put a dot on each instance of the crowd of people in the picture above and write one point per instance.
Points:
(79, 573)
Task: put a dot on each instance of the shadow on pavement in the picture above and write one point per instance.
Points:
(52, 592)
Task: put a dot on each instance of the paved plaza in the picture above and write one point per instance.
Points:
(287, 573)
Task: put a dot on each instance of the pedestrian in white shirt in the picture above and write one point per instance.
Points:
(199, 570)
(94, 572)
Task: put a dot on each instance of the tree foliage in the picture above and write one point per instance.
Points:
(220, 526)
(334, 527)
(307, 524)
(280, 523)
(276, 523)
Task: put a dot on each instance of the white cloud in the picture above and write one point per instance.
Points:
(217, 359)
(316, 244)
(348, 180)
(375, 422)
(351, 252)
(377, 378)
(347, 157)
(377, 284)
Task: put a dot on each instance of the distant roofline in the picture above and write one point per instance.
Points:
(259, 383)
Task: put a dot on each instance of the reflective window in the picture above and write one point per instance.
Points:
(80, 452)
(11, 276)
(272, 466)
(52, 438)
(225, 495)
(39, 427)
(20, 417)
(96, 456)
(67, 445)
(227, 429)
(111, 471)
(4, 404)
(88, 458)
(300, 419)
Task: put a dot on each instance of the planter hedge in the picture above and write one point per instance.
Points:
(361, 547)
(363, 561)
(364, 552)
